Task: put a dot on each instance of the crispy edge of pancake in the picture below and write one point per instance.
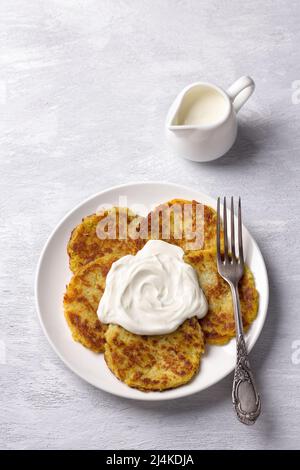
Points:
(155, 363)
(214, 338)
(81, 299)
(210, 221)
(219, 326)
(84, 245)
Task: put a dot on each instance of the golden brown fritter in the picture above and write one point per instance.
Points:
(188, 224)
(85, 245)
(218, 325)
(81, 302)
(155, 362)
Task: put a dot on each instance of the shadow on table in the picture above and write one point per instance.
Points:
(251, 139)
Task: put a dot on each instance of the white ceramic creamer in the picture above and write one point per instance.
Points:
(201, 124)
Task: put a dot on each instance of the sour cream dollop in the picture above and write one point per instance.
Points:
(153, 292)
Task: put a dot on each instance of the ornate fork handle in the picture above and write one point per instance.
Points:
(245, 398)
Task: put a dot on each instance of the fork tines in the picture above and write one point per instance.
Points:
(230, 255)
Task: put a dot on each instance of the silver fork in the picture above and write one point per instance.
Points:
(245, 398)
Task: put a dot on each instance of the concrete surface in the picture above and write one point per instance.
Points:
(84, 91)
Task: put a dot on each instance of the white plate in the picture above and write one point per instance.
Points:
(53, 274)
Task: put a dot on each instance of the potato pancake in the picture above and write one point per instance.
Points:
(188, 224)
(155, 362)
(85, 245)
(81, 302)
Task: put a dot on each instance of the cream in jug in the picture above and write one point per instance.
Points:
(202, 122)
(205, 108)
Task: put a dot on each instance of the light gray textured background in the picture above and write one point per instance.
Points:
(84, 91)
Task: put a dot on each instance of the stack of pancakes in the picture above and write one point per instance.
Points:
(152, 362)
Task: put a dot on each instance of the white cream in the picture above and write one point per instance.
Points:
(205, 107)
(153, 292)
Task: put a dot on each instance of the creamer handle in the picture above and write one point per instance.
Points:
(240, 91)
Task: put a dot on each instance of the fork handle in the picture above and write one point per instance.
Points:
(245, 397)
